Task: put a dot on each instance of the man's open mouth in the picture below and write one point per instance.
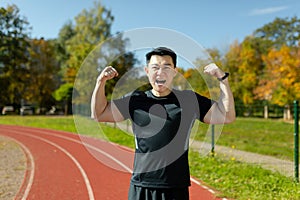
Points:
(160, 82)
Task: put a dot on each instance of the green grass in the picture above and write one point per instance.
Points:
(71, 124)
(242, 181)
(232, 179)
(269, 137)
(56, 123)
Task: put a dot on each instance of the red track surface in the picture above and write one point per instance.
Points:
(62, 165)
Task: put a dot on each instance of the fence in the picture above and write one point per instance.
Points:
(264, 111)
(296, 139)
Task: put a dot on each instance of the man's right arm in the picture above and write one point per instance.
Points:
(101, 109)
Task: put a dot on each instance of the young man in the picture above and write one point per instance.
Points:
(162, 119)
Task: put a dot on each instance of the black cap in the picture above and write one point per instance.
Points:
(162, 51)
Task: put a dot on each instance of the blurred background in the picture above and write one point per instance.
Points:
(44, 43)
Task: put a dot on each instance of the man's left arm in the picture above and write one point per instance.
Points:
(222, 111)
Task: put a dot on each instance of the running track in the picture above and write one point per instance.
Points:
(62, 165)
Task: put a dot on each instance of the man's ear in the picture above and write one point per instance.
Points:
(176, 71)
(146, 69)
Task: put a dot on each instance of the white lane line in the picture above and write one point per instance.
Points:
(116, 160)
(195, 181)
(31, 167)
(84, 175)
(205, 187)
(110, 156)
(128, 169)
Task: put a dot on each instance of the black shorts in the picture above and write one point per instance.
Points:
(144, 193)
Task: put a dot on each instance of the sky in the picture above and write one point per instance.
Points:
(211, 23)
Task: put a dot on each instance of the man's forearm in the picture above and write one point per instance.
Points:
(226, 101)
(223, 111)
(98, 101)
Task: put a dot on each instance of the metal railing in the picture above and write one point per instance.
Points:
(296, 139)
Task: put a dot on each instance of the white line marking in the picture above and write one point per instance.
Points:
(111, 157)
(205, 187)
(195, 181)
(120, 162)
(91, 147)
(32, 170)
(84, 175)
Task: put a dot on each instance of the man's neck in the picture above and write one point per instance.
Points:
(160, 94)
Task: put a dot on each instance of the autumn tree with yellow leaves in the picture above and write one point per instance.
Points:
(265, 66)
(281, 81)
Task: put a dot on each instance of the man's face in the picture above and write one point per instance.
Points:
(160, 72)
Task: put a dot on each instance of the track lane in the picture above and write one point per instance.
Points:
(107, 183)
(51, 165)
(79, 167)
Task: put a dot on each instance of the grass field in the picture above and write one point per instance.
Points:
(272, 137)
(233, 179)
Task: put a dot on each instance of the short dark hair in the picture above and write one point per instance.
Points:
(162, 51)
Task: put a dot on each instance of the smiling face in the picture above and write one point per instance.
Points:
(160, 72)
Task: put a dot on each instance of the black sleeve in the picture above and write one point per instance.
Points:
(123, 105)
(204, 104)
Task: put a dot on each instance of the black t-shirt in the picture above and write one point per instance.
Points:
(161, 127)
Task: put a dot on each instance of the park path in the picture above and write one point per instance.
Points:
(284, 167)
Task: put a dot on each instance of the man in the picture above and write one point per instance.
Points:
(162, 119)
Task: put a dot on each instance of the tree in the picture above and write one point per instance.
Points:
(281, 84)
(76, 41)
(111, 52)
(250, 69)
(232, 62)
(43, 71)
(245, 65)
(64, 93)
(14, 44)
(86, 45)
(280, 32)
(62, 55)
(91, 28)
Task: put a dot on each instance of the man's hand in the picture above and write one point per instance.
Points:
(213, 70)
(107, 74)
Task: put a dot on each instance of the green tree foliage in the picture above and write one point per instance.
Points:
(77, 40)
(263, 67)
(62, 55)
(87, 46)
(43, 71)
(14, 44)
(280, 32)
(201, 82)
(109, 53)
(232, 63)
(64, 94)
